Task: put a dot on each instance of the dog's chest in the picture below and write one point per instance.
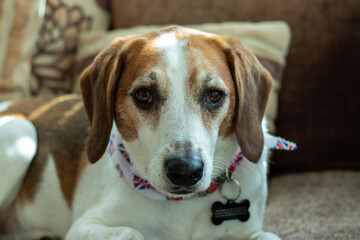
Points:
(156, 219)
(101, 194)
(189, 219)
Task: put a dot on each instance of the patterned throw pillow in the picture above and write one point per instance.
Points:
(269, 41)
(20, 22)
(64, 20)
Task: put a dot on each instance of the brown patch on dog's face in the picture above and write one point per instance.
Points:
(110, 83)
(209, 71)
(140, 74)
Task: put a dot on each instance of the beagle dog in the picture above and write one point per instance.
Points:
(151, 151)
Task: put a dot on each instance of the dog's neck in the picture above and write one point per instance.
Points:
(122, 162)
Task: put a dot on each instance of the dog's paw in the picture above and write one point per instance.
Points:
(125, 234)
(99, 232)
(264, 236)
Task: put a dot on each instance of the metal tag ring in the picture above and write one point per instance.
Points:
(232, 181)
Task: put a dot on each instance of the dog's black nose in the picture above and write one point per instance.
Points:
(184, 171)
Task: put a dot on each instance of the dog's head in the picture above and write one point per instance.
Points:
(175, 95)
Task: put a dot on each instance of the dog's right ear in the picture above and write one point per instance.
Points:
(98, 84)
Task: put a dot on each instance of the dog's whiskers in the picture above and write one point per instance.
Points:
(218, 167)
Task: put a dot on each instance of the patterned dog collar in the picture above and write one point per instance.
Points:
(126, 169)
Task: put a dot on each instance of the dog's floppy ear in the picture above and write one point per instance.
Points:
(253, 84)
(98, 84)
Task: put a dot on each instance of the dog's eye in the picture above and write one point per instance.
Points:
(214, 96)
(144, 96)
(213, 99)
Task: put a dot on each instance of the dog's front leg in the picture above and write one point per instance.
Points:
(95, 231)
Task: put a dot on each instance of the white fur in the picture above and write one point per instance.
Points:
(49, 209)
(106, 207)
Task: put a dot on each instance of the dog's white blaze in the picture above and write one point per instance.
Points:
(166, 40)
(176, 69)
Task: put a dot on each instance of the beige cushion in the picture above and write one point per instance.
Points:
(19, 26)
(52, 67)
(268, 40)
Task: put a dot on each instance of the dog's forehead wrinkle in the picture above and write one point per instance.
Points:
(208, 78)
(152, 76)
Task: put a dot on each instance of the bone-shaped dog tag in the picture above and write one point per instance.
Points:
(230, 210)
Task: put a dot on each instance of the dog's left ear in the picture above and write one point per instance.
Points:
(253, 84)
(98, 84)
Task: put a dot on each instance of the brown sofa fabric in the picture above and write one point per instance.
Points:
(319, 102)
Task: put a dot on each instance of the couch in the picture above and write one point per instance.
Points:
(314, 192)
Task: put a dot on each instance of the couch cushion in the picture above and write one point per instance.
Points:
(314, 205)
(19, 27)
(64, 20)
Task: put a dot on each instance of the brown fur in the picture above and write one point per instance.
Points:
(60, 135)
(106, 84)
(253, 84)
(207, 52)
(141, 58)
(98, 84)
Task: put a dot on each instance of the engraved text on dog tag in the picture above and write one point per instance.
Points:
(230, 210)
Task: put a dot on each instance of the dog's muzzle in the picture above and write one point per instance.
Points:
(184, 172)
